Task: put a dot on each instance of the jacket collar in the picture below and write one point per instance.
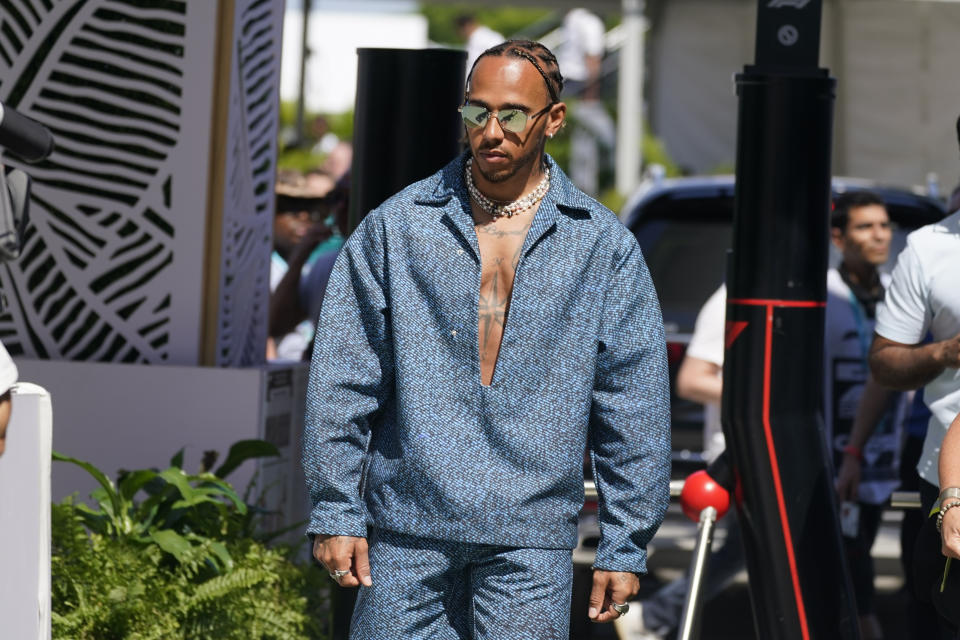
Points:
(447, 189)
(563, 194)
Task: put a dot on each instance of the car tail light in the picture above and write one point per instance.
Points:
(675, 352)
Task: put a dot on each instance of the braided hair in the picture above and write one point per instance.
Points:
(537, 54)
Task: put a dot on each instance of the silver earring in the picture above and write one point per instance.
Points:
(550, 136)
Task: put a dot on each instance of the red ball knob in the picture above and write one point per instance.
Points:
(701, 491)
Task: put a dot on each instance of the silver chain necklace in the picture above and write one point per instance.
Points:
(506, 209)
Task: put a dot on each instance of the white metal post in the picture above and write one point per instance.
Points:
(690, 620)
(630, 99)
(25, 516)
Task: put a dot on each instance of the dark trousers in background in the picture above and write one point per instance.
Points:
(921, 616)
(859, 560)
(928, 495)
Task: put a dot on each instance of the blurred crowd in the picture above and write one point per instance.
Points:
(309, 225)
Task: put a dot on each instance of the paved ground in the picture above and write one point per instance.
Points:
(729, 616)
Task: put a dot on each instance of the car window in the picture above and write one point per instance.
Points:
(687, 263)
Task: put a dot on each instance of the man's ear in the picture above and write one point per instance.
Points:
(556, 118)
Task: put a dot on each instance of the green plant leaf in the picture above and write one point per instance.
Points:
(177, 460)
(99, 476)
(104, 500)
(148, 510)
(220, 550)
(176, 477)
(172, 542)
(134, 481)
(96, 521)
(244, 450)
(195, 500)
(222, 488)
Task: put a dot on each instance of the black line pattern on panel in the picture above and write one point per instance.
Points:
(251, 164)
(106, 77)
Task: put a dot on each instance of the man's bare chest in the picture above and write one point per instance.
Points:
(500, 249)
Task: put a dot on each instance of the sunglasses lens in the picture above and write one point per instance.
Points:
(512, 120)
(474, 116)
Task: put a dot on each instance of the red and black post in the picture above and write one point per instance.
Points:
(773, 369)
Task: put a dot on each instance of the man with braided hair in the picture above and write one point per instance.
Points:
(480, 329)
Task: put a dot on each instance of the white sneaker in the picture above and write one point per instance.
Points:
(631, 627)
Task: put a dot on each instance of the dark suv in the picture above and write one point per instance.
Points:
(684, 228)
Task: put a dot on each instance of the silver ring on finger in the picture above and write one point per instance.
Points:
(621, 608)
(337, 574)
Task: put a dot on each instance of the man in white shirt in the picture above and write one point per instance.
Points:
(924, 296)
(478, 37)
(593, 134)
(581, 53)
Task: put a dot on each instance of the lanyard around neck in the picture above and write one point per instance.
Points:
(861, 323)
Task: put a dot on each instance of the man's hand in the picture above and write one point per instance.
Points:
(950, 533)
(344, 553)
(848, 478)
(948, 354)
(611, 587)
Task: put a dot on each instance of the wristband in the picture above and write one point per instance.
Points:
(856, 452)
(949, 492)
(943, 510)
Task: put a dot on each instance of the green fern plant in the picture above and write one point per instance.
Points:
(166, 554)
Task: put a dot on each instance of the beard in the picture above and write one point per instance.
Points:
(535, 154)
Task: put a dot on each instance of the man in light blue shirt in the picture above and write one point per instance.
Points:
(480, 330)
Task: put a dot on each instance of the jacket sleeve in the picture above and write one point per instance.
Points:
(630, 417)
(351, 375)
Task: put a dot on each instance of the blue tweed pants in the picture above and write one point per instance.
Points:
(443, 590)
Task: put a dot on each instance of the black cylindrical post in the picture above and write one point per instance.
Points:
(406, 124)
(773, 368)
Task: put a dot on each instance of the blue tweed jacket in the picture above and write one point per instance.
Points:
(401, 434)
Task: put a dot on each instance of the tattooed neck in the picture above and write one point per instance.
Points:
(491, 230)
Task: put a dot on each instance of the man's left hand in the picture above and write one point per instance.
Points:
(611, 587)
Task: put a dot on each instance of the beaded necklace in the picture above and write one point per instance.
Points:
(509, 209)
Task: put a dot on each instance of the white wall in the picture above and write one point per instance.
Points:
(120, 416)
(334, 37)
(895, 62)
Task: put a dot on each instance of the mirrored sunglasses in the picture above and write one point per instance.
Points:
(514, 120)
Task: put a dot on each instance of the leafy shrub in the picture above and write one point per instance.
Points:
(182, 562)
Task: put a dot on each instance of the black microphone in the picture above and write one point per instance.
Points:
(24, 137)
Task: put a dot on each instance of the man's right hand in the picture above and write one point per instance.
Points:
(848, 478)
(344, 553)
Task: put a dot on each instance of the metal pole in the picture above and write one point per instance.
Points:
(905, 500)
(630, 99)
(898, 499)
(690, 621)
(304, 54)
